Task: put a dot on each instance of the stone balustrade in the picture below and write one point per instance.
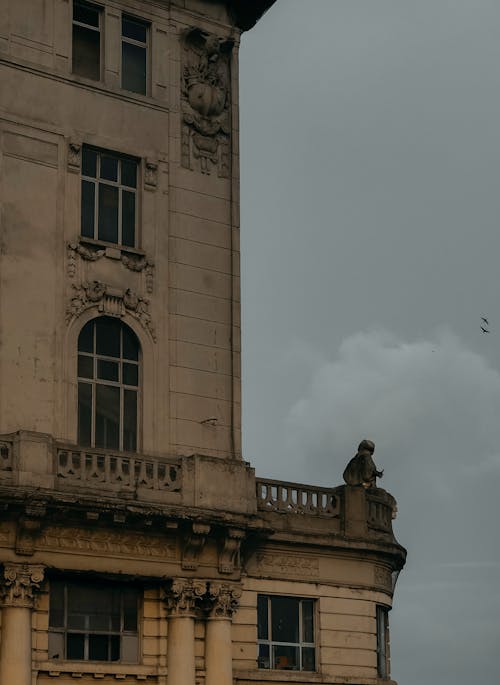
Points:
(89, 468)
(381, 510)
(295, 498)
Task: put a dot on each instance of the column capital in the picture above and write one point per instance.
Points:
(18, 584)
(183, 594)
(224, 599)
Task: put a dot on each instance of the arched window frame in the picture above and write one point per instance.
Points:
(109, 378)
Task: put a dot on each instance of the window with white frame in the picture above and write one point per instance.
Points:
(382, 641)
(93, 621)
(134, 67)
(87, 30)
(109, 197)
(108, 385)
(285, 627)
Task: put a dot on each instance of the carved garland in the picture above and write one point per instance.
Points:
(111, 301)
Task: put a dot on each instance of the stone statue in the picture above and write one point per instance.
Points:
(361, 470)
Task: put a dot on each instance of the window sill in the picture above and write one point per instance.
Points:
(60, 667)
(111, 247)
(279, 675)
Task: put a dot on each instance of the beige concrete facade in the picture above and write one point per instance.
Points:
(171, 517)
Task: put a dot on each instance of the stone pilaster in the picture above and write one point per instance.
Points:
(18, 585)
(182, 598)
(224, 601)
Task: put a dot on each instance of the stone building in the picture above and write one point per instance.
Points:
(136, 545)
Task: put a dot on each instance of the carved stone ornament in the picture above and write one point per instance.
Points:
(184, 596)
(150, 175)
(229, 553)
(74, 156)
(138, 264)
(205, 94)
(224, 599)
(19, 583)
(111, 301)
(287, 565)
(193, 546)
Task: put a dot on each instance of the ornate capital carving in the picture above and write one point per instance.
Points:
(18, 584)
(184, 596)
(74, 156)
(224, 599)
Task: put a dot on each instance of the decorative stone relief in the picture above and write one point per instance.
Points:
(194, 545)
(29, 526)
(205, 94)
(19, 584)
(224, 599)
(285, 565)
(111, 301)
(184, 596)
(110, 542)
(87, 253)
(136, 263)
(74, 156)
(229, 554)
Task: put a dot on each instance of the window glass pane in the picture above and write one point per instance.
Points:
(85, 366)
(89, 162)
(130, 374)
(86, 337)
(75, 646)
(307, 621)
(131, 28)
(130, 420)
(130, 644)
(107, 416)
(86, 14)
(98, 647)
(56, 645)
(86, 52)
(109, 168)
(285, 619)
(129, 173)
(108, 336)
(308, 659)
(108, 371)
(263, 659)
(108, 213)
(128, 218)
(56, 610)
(286, 658)
(130, 344)
(84, 414)
(130, 610)
(88, 209)
(114, 652)
(134, 68)
(262, 621)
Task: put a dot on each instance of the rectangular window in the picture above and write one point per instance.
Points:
(93, 622)
(87, 40)
(134, 54)
(286, 633)
(382, 641)
(109, 197)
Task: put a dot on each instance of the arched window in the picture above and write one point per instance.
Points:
(108, 385)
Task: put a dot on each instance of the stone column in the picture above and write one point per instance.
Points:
(182, 598)
(18, 585)
(224, 599)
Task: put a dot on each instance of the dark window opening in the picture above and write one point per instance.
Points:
(86, 40)
(108, 385)
(382, 641)
(134, 55)
(93, 622)
(285, 628)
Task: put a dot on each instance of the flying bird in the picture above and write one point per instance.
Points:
(485, 330)
(485, 320)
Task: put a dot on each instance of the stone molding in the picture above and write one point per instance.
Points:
(229, 554)
(223, 600)
(193, 546)
(18, 584)
(184, 596)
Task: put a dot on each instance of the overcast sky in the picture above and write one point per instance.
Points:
(370, 167)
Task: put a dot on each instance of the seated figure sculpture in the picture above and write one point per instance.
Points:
(361, 470)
